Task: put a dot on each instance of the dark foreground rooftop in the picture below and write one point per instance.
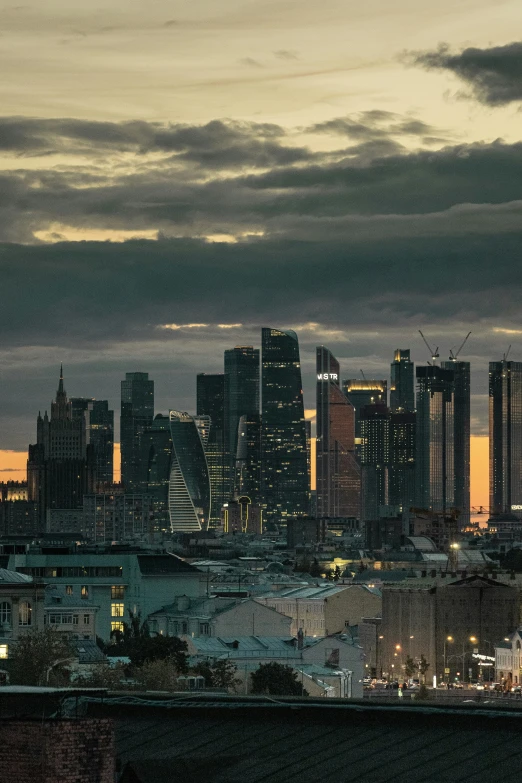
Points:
(247, 740)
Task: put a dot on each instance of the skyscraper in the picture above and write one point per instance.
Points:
(435, 453)
(248, 462)
(60, 468)
(461, 436)
(137, 411)
(210, 394)
(99, 430)
(189, 481)
(155, 465)
(338, 480)
(285, 474)
(402, 387)
(402, 459)
(505, 437)
(360, 393)
(375, 458)
(241, 399)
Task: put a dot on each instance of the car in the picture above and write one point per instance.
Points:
(517, 689)
(479, 686)
(458, 685)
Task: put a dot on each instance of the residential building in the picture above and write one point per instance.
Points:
(505, 437)
(338, 475)
(20, 518)
(210, 395)
(137, 412)
(70, 614)
(402, 387)
(189, 481)
(116, 582)
(218, 617)
(285, 470)
(108, 517)
(21, 608)
(508, 660)
(321, 611)
(304, 532)
(446, 620)
(241, 392)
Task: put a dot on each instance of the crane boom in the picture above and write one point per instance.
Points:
(433, 353)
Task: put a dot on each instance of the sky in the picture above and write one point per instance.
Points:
(175, 175)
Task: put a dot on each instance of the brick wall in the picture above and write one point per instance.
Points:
(61, 751)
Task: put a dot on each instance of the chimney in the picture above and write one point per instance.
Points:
(300, 639)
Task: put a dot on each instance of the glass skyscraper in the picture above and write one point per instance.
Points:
(189, 481)
(401, 474)
(155, 464)
(402, 387)
(461, 436)
(210, 394)
(99, 428)
(360, 393)
(375, 458)
(435, 457)
(137, 412)
(241, 398)
(338, 479)
(505, 437)
(248, 462)
(285, 473)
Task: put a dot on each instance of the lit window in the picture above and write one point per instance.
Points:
(85, 591)
(68, 589)
(117, 591)
(5, 613)
(4, 651)
(117, 627)
(24, 613)
(118, 610)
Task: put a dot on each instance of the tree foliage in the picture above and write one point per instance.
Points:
(219, 673)
(276, 679)
(41, 658)
(423, 667)
(410, 667)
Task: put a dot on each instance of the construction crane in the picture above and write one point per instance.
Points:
(434, 353)
(504, 358)
(453, 356)
(364, 376)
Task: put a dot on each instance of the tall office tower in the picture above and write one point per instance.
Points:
(401, 474)
(155, 464)
(338, 476)
(248, 462)
(360, 393)
(189, 482)
(461, 436)
(284, 473)
(137, 412)
(308, 430)
(61, 468)
(210, 392)
(435, 451)
(241, 399)
(505, 437)
(375, 458)
(99, 430)
(402, 387)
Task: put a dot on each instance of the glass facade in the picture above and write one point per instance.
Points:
(241, 398)
(137, 411)
(338, 479)
(435, 463)
(189, 482)
(210, 394)
(402, 387)
(248, 462)
(99, 427)
(461, 436)
(505, 437)
(375, 458)
(285, 473)
(155, 464)
(360, 393)
(401, 473)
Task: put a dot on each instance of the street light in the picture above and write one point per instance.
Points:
(446, 640)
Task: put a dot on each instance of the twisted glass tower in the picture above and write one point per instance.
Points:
(189, 481)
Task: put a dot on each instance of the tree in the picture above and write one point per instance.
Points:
(423, 667)
(337, 574)
(41, 658)
(158, 648)
(410, 667)
(315, 569)
(218, 673)
(276, 679)
(328, 574)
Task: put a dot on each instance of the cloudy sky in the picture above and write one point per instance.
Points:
(175, 175)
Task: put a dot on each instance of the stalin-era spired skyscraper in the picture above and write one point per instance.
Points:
(61, 466)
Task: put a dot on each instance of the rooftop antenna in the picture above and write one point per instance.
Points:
(453, 356)
(434, 353)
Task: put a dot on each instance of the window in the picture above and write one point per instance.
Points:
(118, 610)
(85, 591)
(68, 589)
(204, 629)
(117, 591)
(4, 651)
(5, 613)
(117, 626)
(86, 619)
(184, 628)
(24, 613)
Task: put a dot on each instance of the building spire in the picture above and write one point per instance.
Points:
(60, 384)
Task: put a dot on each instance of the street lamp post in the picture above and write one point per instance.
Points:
(446, 640)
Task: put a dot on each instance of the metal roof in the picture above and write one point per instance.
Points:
(13, 577)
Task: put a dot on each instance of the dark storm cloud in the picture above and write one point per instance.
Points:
(372, 125)
(495, 74)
